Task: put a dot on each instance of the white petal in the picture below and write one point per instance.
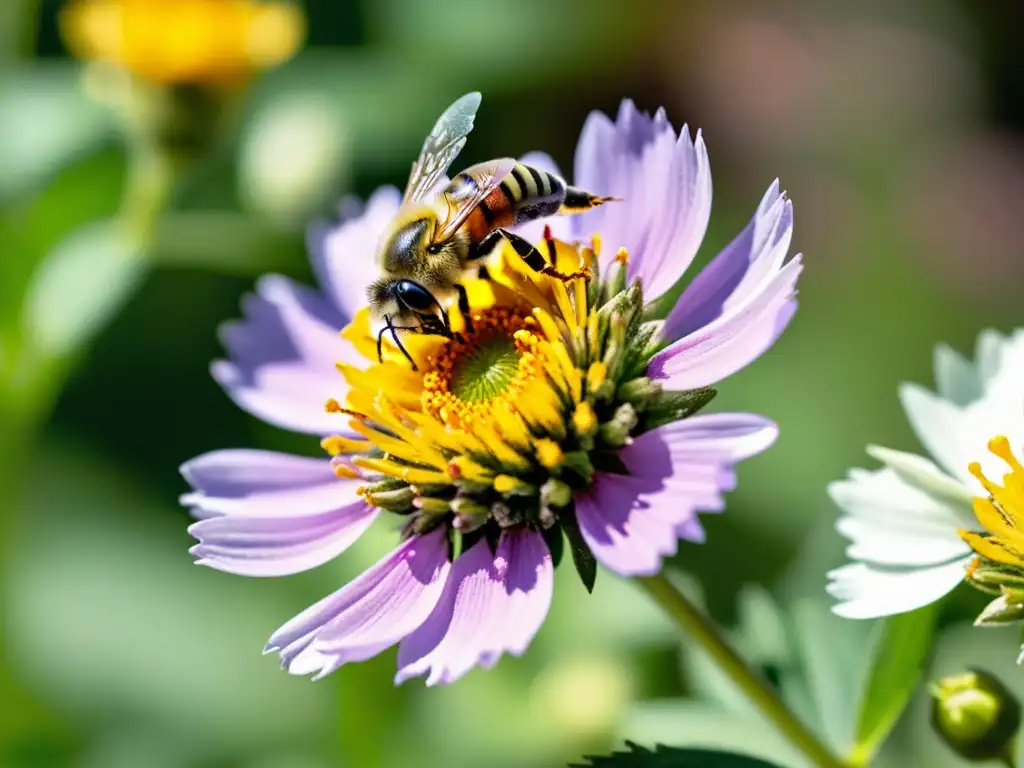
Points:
(867, 593)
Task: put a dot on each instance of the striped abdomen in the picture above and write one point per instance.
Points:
(527, 193)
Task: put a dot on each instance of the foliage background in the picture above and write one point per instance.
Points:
(896, 129)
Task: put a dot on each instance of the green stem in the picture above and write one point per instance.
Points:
(757, 689)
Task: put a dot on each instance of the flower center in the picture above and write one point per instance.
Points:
(494, 361)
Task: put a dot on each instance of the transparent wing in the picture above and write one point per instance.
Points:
(463, 198)
(442, 146)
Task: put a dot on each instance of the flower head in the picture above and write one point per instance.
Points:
(903, 521)
(998, 565)
(556, 412)
(184, 41)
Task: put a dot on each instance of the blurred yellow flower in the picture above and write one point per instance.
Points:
(184, 41)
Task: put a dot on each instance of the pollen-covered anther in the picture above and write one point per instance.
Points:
(549, 453)
(478, 370)
(507, 485)
(622, 256)
(343, 468)
(584, 421)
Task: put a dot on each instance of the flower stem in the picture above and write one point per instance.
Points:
(757, 689)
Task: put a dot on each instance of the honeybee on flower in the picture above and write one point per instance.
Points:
(560, 420)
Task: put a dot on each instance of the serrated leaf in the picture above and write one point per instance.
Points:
(582, 557)
(896, 667)
(671, 757)
(79, 287)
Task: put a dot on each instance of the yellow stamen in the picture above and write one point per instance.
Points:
(337, 444)
(505, 483)
(596, 375)
(622, 256)
(584, 420)
(549, 453)
(437, 396)
(1001, 514)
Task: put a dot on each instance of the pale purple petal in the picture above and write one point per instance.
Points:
(344, 255)
(277, 545)
(742, 269)
(283, 355)
(732, 341)
(664, 180)
(253, 483)
(561, 227)
(492, 604)
(632, 521)
(376, 610)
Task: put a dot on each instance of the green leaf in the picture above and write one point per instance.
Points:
(79, 287)
(46, 120)
(671, 757)
(895, 670)
(582, 557)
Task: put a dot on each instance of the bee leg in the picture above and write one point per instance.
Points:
(464, 306)
(535, 259)
(394, 329)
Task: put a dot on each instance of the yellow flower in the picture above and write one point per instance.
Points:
(184, 41)
(1001, 514)
(491, 411)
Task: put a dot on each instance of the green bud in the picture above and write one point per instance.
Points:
(994, 577)
(616, 432)
(555, 493)
(616, 282)
(975, 715)
(394, 499)
(1005, 609)
(579, 463)
(469, 514)
(638, 391)
(432, 506)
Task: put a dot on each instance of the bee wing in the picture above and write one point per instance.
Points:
(442, 146)
(487, 176)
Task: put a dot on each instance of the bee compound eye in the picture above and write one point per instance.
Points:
(434, 248)
(414, 296)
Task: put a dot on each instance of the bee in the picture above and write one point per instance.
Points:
(441, 232)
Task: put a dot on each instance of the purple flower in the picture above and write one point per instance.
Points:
(581, 419)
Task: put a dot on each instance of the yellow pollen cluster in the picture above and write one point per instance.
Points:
(1001, 514)
(491, 324)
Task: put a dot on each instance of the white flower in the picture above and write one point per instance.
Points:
(902, 520)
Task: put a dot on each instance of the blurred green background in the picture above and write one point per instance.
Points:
(898, 131)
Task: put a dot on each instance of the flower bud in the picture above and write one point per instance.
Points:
(1008, 608)
(975, 715)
